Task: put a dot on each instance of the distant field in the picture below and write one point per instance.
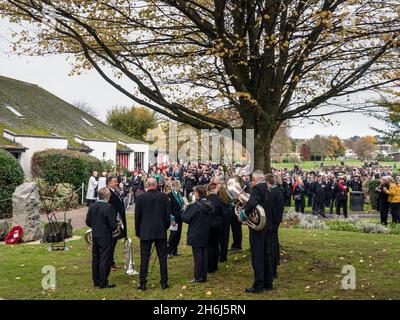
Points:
(308, 165)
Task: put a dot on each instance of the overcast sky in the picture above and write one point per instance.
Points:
(51, 73)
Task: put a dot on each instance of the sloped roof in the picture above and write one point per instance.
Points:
(10, 145)
(123, 148)
(45, 114)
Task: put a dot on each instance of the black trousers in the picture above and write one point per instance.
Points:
(101, 260)
(224, 238)
(200, 263)
(318, 207)
(145, 253)
(237, 232)
(260, 247)
(384, 211)
(114, 244)
(174, 239)
(395, 212)
(341, 204)
(288, 202)
(213, 249)
(299, 205)
(309, 200)
(332, 203)
(275, 250)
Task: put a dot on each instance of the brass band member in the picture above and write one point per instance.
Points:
(102, 219)
(264, 193)
(152, 220)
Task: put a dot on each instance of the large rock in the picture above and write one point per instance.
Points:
(26, 211)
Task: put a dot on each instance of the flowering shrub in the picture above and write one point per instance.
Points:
(302, 221)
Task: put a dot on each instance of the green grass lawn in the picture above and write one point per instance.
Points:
(311, 267)
(309, 165)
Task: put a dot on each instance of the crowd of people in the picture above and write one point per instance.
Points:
(165, 197)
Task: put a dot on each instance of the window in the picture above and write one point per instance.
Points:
(14, 111)
(139, 161)
(88, 122)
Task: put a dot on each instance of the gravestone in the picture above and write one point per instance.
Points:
(26, 211)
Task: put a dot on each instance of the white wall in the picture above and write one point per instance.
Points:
(138, 148)
(35, 144)
(101, 147)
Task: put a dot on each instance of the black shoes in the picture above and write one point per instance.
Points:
(108, 286)
(164, 286)
(197, 281)
(253, 290)
(235, 250)
(142, 287)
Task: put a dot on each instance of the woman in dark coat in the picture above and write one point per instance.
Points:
(215, 228)
(176, 203)
(197, 216)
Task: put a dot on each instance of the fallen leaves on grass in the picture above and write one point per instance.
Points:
(209, 293)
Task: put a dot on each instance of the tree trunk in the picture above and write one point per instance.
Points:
(262, 152)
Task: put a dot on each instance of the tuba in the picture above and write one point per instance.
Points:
(232, 192)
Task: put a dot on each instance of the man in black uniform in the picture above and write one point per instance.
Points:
(307, 187)
(118, 203)
(152, 220)
(276, 219)
(260, 241)
(340, 190)
(318, 189)
(102, 219)
(329, 193)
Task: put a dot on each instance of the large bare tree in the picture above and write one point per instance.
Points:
(249, 64)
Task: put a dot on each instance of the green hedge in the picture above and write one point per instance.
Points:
(373, 195)
(11, 176)
(66, 166)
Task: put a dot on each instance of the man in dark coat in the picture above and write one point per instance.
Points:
(135, 184)
(118, 203)
(318, 189)
(329, 193)
(278, 200)
(102, 219)
(260, 241)
(215, 228)
(383, 200)
(152, 220)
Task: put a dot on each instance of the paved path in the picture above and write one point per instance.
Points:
(77, 216)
